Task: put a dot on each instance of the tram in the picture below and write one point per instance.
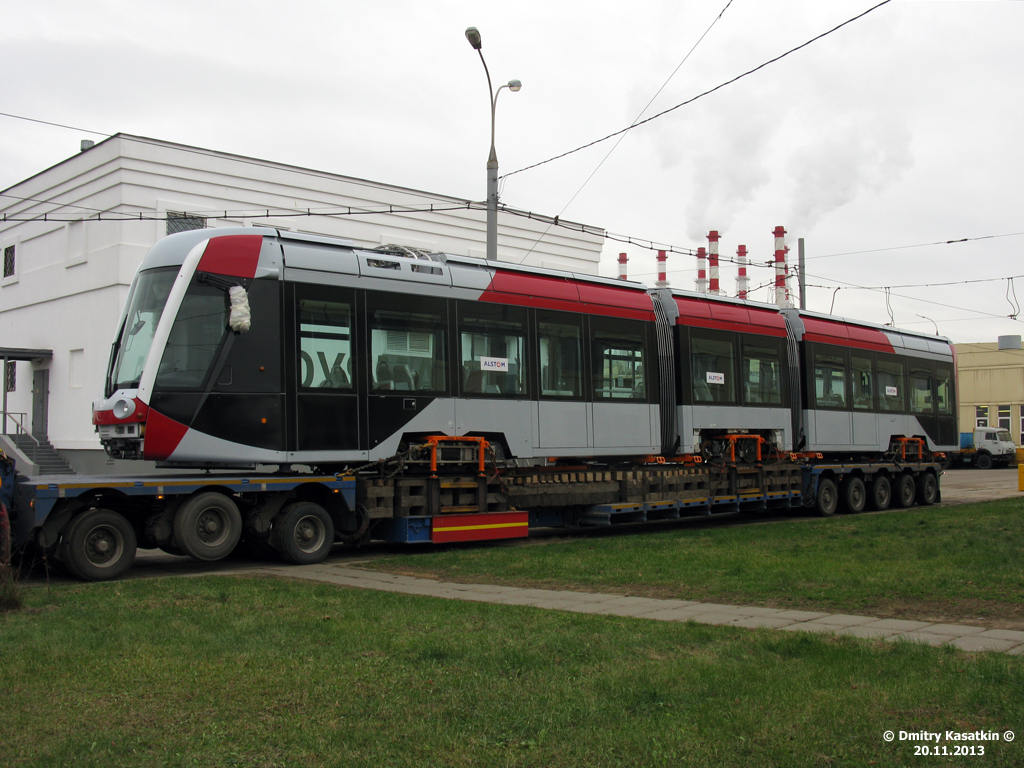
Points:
(344, 355)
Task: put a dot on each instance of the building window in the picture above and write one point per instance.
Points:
(11, 376)
(981, 416)
(1004, 417)
(9, 261)
(182, 222)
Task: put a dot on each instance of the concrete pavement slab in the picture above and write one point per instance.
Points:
(762, 622)
(715, 618)
(900, 625)
(1003, 634)
(953, 630)
(801, 615)
(843, 620)
(978, 643)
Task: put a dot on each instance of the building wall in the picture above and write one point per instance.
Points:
(990, 388)
(74, 268)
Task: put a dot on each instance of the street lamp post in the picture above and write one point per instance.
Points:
(473, 35)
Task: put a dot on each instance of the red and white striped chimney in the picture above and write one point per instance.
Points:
(742, 283)
(662, 279)
(702, 271)
(714, 286)
(622, 266)
(782, 297)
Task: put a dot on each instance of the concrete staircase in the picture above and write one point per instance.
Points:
(45, 456)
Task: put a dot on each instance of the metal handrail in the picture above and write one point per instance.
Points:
(20, 430)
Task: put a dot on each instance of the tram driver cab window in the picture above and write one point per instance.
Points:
(198, 329)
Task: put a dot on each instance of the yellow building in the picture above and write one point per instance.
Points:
(990, 387)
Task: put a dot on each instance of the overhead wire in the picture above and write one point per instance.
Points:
(636, 120)
(705, 93)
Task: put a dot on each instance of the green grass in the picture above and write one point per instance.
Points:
(962, 563)
(263, 672)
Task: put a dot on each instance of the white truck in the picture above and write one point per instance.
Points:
(985, 448)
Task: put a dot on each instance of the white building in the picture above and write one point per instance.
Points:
(73, 235)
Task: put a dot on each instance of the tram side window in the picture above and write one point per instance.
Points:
(890, 384)
(492, 351)
(407, 348)
(920, 390)
(944, 390)
(829, 380)
(762, 372)
(561, 359)
(197, 332)
(712, 366)
(862, 384)
(619, 363)
(325, 344)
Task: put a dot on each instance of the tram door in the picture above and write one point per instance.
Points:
(326, 402)
(623, 388)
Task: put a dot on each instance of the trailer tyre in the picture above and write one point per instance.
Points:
(881, 493)
(855, 495)
(98, 545)
(905, 491)
(984, 461)
(303, 533)
(927, 490)
(207, 526)
(828, 497)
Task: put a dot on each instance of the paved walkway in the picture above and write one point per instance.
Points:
(965, 637)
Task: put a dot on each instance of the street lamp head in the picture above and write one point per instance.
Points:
(473, 35)
(514, 85)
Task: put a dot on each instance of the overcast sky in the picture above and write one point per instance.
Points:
(876, 144)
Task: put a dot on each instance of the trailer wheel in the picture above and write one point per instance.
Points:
(303, 533)
(855, 496)
(828, 497)
(208, 526)
(927, 490)
(984, 461)
(905, 491)
(98, 545)
(881, 492)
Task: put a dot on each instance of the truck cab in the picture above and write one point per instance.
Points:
(987, 447)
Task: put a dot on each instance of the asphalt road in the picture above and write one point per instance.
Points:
(958, 486)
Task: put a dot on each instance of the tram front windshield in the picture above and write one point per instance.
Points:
(145, 305)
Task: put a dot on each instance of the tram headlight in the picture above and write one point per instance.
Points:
(123, 408)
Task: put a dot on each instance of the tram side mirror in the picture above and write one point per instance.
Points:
(240, 318)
